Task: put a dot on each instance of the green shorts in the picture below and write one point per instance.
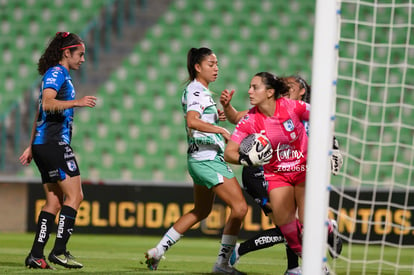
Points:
(209, 173)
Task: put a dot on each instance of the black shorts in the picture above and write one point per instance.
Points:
(254, 183)
(55, 161)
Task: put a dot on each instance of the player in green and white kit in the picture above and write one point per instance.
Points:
(205, 156)
(204, 148)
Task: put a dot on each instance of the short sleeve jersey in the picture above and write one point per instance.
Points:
(285, 130)
(201, 145)
(55, 126)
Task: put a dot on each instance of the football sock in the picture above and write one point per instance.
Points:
(65, 228)
(44, 227)
(228, 242)
(264, 239)
(168, 240)
(292, 258)
(292, 235)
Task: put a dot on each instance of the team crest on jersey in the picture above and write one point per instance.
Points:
(289, 126)
(71, 165)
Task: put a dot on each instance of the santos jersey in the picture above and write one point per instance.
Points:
(202, 145)
(285, 130)
(55, 126)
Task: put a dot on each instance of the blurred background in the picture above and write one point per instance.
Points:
(136, 66)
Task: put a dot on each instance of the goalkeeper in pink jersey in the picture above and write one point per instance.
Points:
(280, 119)
(255, 185)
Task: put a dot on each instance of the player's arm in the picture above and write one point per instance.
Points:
(50, 103)
(194, 122)
(231, 153)
(231, 113)
(26, 156)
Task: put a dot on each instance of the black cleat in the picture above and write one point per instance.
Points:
(32, 262)
(65, 259)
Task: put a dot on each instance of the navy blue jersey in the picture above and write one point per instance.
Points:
(55, 126)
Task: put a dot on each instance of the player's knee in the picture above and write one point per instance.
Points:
(201, 214)
(52, 208)
(240, 210)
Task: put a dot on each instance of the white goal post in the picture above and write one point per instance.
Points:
(320, 136)
(372, 198)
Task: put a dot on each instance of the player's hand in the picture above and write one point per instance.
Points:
(226, 97)
(87, 101)
(26, 157)
(222, 115)
(336, 162)
(226, 134)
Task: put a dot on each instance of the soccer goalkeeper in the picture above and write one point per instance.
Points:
(255, 185)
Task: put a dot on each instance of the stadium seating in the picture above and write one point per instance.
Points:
(152, 80)
(137, 130)
(25, 26)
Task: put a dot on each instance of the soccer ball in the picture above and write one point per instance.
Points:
(257, 148)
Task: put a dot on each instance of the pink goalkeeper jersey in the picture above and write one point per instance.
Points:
(286, 133)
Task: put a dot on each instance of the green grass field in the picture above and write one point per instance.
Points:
(123, 254)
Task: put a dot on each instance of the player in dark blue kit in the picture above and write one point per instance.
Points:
(50, 149)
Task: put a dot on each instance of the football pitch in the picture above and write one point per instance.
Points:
(124, 254)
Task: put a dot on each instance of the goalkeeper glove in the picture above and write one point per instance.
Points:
(336, 161)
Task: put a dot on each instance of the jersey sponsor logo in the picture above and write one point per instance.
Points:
(68, 155)
(268, 239)
(50, 80)
(196, 93)
(59, 233)
(53, 173)
(42, 233)
(285, 152)
(193, 103)
(289, 126)
(71, 165)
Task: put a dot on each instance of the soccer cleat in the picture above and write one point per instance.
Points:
(235, 257)
(226, 269)
(32, 262)
(293, 271)
(334, 241)
(153, 259)
(65, 259)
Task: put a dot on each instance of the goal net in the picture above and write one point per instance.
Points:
(373, 197)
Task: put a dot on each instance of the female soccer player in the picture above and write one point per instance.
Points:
(254, 184)
(280, 119)
(211, 174)
(50, 148)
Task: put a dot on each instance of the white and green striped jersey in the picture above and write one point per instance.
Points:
(201, 145)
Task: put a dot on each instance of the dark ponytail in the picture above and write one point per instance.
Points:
(54, 51)
(195, 56)
(273, 82)
(304, 85)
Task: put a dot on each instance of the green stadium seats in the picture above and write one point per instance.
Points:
(26, 27)
(138, 128)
